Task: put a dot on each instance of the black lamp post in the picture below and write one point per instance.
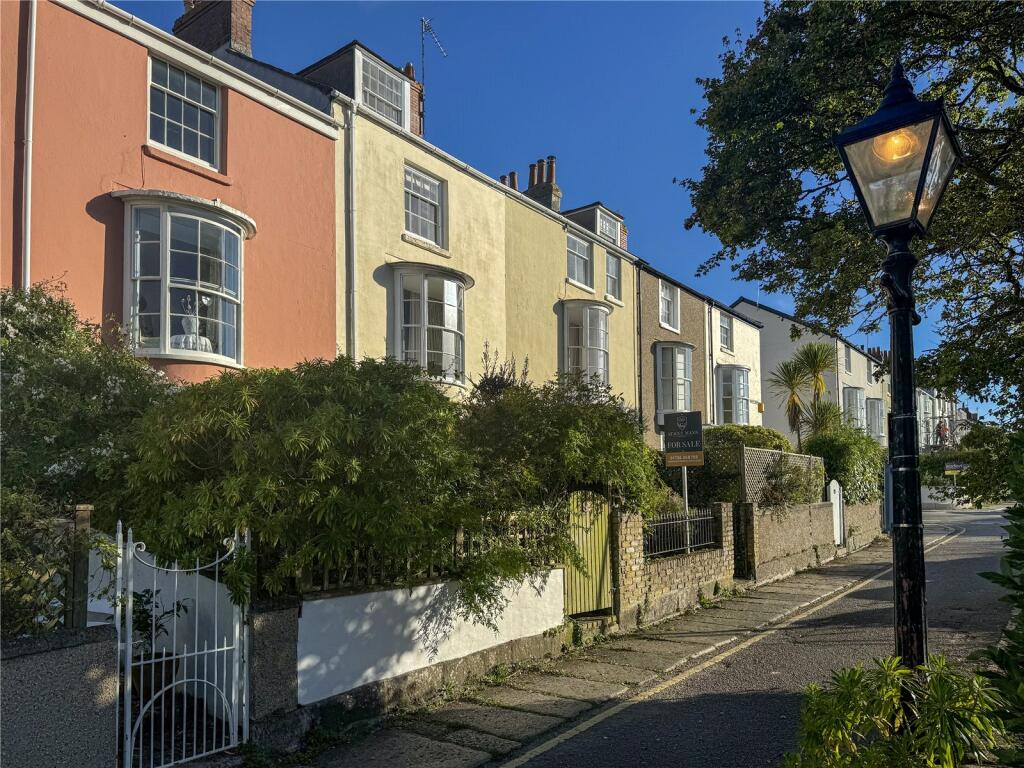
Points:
(900, 160)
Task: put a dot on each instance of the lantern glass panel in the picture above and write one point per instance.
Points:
(940, 168)
(888, 168)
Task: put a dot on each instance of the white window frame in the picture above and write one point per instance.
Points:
(613, 290)
(587, 310)
(441, 240)
(854, 407)
(875, 426)
(573, 255)
(673, 298)
(397, 344)
(406, 106)
(217, 115)
(165, 350)
(668, 384)
(739, 394)
(848, 358)
(602, 219)
(726, 327)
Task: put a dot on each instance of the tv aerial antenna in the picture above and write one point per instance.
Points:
(426, 28)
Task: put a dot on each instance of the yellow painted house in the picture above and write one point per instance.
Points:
(438, 262)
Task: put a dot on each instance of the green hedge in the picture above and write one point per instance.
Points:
(719, 480)
(853, 458)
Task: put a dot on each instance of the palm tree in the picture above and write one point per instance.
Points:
(821, 416)
(816, 359)
(787, 381)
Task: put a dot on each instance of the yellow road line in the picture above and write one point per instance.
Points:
(604, 714)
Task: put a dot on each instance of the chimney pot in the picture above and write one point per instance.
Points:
(513, 180)
(503, 180)
(533, 175)
(551, 169)
(410, 71)
(542, 175)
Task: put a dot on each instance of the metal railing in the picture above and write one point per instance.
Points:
(680, 532)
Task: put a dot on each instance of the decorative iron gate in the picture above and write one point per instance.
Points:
(590, 591)
(182, 658)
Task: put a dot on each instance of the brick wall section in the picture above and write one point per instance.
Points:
(863, 524)
(649, 589)
(623, 237)
(775, 544)
(209, 24)
(416, 107)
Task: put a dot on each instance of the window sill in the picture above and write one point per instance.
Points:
(185, 357)
(581, 286)
(726, 350)
(668, 327)
(180, 161)
(612, 300)
(426, 245)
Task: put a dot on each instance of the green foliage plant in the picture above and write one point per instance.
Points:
(815, 360)
(820, 417)
(787, 382)
(719, 480)
(853, 458)
(787, 483)
(891, 717)
(987, 450)
(69, 391)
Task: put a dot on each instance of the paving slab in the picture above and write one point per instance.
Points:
(655, 662)
(603, 672)
(531, 701)
(506, 723)
(465, 737)
(685, 634)
(393, 747)
(675, 648)
(569, 687)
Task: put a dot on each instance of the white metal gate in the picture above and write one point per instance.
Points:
(183, 671)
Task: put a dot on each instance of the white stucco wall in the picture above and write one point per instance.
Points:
(348, 641)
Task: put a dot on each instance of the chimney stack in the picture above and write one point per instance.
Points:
(503, 180)
(513, 180)
(542, 187)
(216, 24)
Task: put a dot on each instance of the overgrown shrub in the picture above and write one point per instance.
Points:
(860, 720)
(719, 480)
(1006, 658)
(68, 393)
(787, 483)
(853, 458)
(38, 543)
(987, 451)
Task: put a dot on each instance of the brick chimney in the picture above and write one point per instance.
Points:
(415, 100)
(216, 24)
(542, 186)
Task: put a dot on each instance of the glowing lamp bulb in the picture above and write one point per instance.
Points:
(895, 146)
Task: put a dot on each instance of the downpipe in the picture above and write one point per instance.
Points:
(26, 180)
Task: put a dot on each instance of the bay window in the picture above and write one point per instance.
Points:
(876, 417)
(431, 323)
(586, 340)
(674, 376)
(854, 406)
(733, 395)
(184, 287)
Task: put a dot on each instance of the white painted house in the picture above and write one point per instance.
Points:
(857, 387)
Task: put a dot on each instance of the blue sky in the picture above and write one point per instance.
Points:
(608, 87)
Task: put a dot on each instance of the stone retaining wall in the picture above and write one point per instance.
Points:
(58, 694)
(863, 524)
(772, 543)
(650, 589)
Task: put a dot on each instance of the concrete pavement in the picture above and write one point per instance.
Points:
(720, 686)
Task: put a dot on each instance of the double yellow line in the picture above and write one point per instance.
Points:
(604, 714)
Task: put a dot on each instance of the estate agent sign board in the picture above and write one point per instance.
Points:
(684, 439)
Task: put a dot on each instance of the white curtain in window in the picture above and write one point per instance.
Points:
(876, 417)
(675, 379)
(586, 338)
(733, 395)
(432, 324)
(854, 406)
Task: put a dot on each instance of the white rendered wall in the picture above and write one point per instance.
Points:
(348, 641)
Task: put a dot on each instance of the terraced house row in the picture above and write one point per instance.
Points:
(232, 214)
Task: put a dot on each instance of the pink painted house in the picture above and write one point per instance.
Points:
(166, 186)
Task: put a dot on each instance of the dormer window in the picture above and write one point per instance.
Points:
(607, 227)
(383, 92)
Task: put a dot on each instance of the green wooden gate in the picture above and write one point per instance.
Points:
(589, 591)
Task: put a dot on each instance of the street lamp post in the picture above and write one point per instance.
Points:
(900, 160)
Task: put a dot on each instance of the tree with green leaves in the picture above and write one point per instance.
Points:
(787, 382)
(775, 193)
(816, 359)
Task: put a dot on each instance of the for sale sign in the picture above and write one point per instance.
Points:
(684, 439)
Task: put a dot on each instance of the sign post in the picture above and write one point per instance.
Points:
(684, 444)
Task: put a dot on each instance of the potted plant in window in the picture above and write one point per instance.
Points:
(152, 668)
